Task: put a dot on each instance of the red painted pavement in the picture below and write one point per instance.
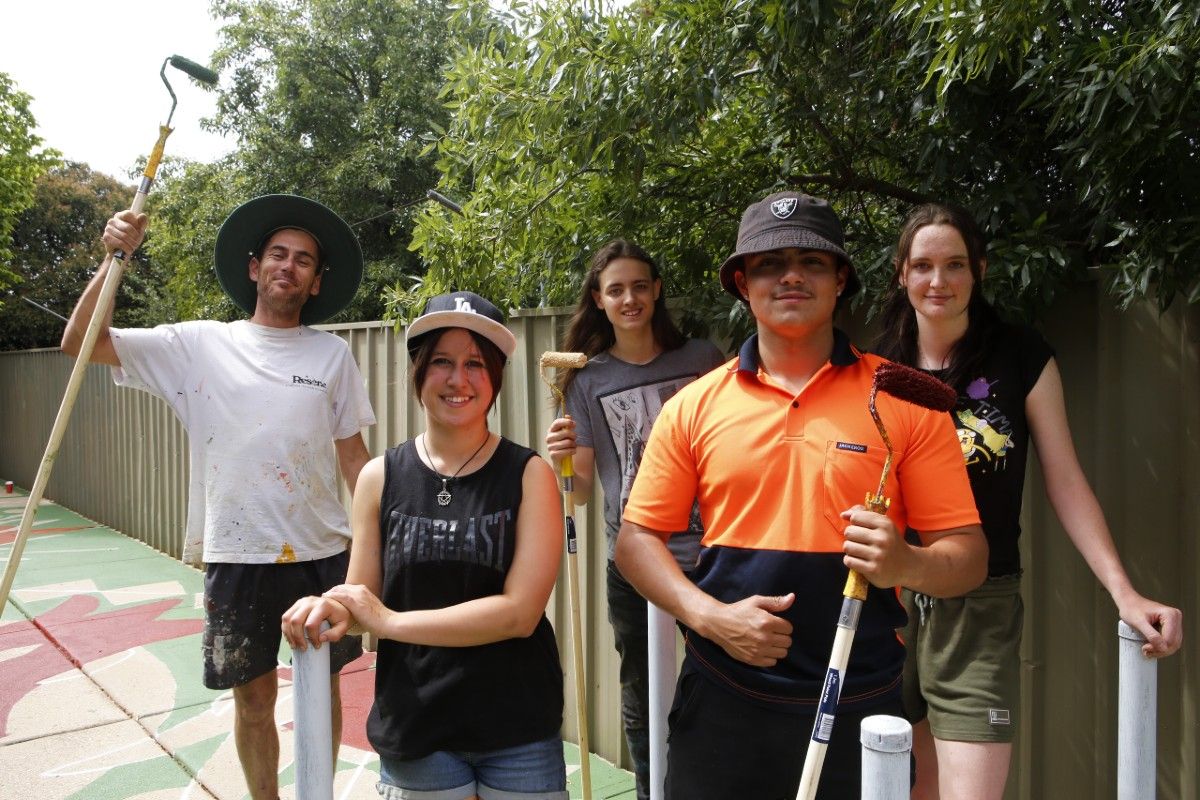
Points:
(101, 635)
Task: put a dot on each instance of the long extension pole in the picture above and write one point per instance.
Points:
(853, 595)
(116, 269)
(566, 472)
(912, 386)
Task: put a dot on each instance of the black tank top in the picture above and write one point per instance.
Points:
(477, 698)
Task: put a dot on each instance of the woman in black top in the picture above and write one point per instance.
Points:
(457, 541)
(962, 673)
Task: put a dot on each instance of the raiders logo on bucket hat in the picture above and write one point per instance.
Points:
(783, 207)
(461, 310)
(788, 219)
(246, 229)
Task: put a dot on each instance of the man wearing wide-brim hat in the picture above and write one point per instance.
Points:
(273, 409)
(778, 448)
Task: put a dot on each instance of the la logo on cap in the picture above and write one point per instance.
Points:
(783, 207)
(463, 304)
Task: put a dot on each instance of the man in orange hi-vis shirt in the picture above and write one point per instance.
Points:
(779, 448)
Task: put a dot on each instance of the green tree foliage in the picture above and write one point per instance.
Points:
(56, 248)
(571, 127)
(186, 212)
(1068, 129)
(331, 99)
(1110, 90)
(21, 162)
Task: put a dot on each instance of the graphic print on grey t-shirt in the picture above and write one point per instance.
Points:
(630, 414)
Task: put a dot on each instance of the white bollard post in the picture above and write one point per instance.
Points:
(886, 749)
(1137, 718)
(312, 718)
(660, 641)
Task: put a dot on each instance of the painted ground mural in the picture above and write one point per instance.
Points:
(100, 679)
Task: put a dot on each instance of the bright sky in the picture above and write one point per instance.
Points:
(76, 58)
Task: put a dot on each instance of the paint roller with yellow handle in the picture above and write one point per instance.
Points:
(566, 472)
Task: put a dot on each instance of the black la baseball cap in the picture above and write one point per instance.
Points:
(461, 310)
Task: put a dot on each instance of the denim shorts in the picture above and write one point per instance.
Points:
(533, 771)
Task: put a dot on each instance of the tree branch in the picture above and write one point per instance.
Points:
(533, 208)
(852, 182)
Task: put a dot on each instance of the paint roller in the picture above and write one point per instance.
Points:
(566, 472)
(115, 262)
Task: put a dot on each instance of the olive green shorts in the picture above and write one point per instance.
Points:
(963, 667)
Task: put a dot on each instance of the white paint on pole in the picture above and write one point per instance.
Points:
(886, 748)
(313, 718)
(660, 636)
(1137, 718)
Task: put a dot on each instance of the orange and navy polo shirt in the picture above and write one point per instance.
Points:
(772, 472)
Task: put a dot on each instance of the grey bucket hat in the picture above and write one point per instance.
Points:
(243, 232)
(789, 219)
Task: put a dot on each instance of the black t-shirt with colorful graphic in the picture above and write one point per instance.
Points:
(994, 433)
(479, 698)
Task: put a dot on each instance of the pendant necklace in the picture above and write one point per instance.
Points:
(444, 497)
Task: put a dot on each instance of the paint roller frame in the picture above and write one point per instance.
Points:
(920, 389)
(114, 263)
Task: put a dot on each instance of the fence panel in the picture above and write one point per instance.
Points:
(1131, 381)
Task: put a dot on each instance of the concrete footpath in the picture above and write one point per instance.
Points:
(100, 680)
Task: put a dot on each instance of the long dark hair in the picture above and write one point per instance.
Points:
(589, 331)
(897, 339)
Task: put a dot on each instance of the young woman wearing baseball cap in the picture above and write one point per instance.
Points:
(457, 541)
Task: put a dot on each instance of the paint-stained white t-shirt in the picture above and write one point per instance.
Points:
(262, 407)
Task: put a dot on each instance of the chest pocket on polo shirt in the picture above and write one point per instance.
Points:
(852, 471)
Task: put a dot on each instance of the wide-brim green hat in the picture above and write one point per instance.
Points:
(244, 230)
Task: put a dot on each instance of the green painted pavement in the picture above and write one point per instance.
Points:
(175, 734)
(608, 782)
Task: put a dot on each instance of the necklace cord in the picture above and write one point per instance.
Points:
(443, 497)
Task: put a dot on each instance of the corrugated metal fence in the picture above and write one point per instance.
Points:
(1132, 383)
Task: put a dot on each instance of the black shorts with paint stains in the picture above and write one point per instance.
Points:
(244, 605)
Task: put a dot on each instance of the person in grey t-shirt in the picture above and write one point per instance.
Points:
(637, 360)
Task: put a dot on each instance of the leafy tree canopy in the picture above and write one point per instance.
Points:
(186, 212)
(22, 161)
(56, 248)
(331, 99)
(1069, 129)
